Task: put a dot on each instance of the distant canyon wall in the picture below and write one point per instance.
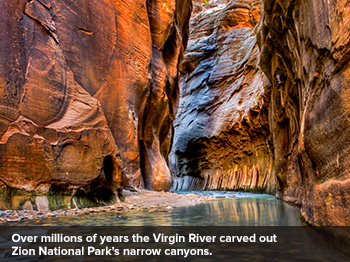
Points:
(264, 103)
(222, 139)
(88, 91)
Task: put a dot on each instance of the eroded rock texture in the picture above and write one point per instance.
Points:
(305, 54)
(52, 130)
(82, 85)
(169, 27)
(221, 130)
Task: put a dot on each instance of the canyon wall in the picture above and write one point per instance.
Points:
(222, 138)
(264, 103)
(87, 92)
(305, 51)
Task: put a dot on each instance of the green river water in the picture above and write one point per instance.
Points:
(231, 214)
(244, 209)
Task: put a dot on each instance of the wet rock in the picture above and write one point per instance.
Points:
(13, 219)
(30, 216)
(50, 214)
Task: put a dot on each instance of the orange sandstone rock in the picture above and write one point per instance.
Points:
(87, 92)
(305, 54)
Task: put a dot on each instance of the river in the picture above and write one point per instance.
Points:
(232, 209)
(243, 214)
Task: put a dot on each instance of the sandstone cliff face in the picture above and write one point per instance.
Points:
(52, 130)
(305, 54)
(169, 31)
(82, 85)
(221, 129)
(236, 129)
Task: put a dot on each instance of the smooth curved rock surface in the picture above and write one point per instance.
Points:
(222, 136)
(87, 92)
(53, 132)
(169, 31)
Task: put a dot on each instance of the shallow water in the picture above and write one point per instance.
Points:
(263, 215)
(245, 209)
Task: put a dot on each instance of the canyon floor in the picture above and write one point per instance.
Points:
(143, 200)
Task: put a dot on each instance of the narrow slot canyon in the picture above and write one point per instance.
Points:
(224, 95)
(262, 104)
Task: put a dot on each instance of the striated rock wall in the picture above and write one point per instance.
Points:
(52, 130)
(222, 138)
(236, 129)
(169, 31)
(305, 54)
(87, 92)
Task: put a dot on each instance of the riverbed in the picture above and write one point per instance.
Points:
(229, 214)
(229, 209)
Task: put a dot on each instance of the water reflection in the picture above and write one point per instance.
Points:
(294, 243)
(260, 211)
(256, 210)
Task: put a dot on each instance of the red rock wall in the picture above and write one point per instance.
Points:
(169, 29)
(235, 129)
(82, 80)
(305, 54)
(222, 136)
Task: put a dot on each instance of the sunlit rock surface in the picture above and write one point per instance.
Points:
(169, 32)
(87, 92)
(222, 136)
(305, 54)
(53, 132)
